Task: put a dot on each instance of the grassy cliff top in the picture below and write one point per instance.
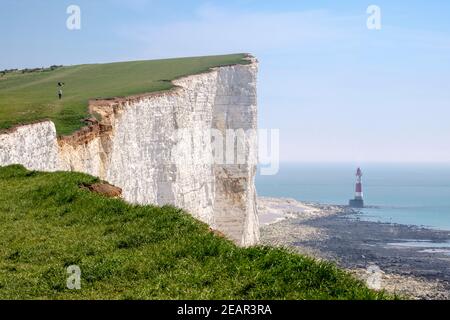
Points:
(31, 95)
(47, 223)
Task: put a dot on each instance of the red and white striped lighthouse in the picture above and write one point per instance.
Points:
(358, 202)
(358, 189)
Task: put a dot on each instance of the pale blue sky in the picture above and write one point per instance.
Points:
(336, 90)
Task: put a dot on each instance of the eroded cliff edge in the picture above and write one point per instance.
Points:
(137, 146)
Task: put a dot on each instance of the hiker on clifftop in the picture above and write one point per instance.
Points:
(60, 92)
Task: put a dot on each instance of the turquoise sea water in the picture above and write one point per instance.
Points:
(414, 194)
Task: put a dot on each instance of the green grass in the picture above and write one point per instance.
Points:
(48, 223)
(29, 97)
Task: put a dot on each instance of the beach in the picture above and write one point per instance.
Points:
(410, 261)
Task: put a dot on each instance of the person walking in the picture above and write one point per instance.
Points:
(60, 92)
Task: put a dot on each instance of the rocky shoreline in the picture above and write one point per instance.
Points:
(335, 233)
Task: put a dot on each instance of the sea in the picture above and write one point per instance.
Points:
(405, 193)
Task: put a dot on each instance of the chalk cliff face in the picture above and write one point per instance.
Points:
(34, 146)
(158, 148)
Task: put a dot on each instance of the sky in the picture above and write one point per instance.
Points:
(336, 90)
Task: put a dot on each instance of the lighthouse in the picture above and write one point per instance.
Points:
(358, 202)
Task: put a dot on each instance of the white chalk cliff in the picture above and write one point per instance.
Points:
(135, 146)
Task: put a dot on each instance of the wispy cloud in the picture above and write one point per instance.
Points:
(214, 29)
